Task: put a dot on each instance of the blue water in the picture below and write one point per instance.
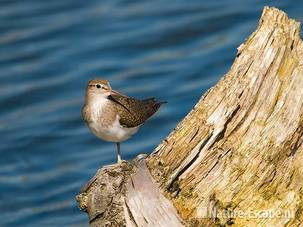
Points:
(174, 50)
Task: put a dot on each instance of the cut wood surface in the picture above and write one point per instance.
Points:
(125, 195)
(235, 159)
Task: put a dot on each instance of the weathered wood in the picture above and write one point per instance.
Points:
(103, 197)
(240, 149)
(124, 194)
(146, 205)
(236, 159)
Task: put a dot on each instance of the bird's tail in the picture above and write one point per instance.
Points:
(154, 102)
(162, 102)
(152, 105)
(158, 104)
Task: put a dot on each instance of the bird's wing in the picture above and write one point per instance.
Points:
(134, 112)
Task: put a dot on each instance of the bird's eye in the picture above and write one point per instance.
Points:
(98, 86)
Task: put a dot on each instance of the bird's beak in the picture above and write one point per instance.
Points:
(117, 93)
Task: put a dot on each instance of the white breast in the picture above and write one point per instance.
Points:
(113, 132)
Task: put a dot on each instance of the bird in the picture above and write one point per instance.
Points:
(112, 116)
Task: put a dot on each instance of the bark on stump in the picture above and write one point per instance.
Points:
(235, 159)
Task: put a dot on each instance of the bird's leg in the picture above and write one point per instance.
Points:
(118, 152)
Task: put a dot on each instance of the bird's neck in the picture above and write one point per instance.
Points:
(95, 98)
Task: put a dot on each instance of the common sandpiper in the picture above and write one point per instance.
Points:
(112, 116)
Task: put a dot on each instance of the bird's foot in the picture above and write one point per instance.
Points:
(121, 161)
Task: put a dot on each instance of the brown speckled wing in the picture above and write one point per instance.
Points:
(134, 112)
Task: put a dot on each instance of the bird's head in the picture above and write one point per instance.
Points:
(98, 87)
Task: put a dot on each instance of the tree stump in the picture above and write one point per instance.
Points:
(235, 159)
